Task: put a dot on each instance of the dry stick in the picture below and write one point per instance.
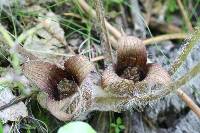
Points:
(97, 58)
(189, 102)
(165, 37)
(180, 82)
(185, 16)
(16, 100)
(101, 19)
(12, 102)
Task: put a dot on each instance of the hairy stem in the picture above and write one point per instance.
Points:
(188, 76)
(101, 19)
(185, 52)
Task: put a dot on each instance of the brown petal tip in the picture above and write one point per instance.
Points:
(79, 66)
(131, 52)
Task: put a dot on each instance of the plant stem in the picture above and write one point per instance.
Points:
(164, 38)
(189, 102)
(16, 100)
(185, 52)
(97, 58)
(101, 19)
(182, 81)
(187, 77)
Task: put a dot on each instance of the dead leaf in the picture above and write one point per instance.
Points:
(47, 42)
(14, 112)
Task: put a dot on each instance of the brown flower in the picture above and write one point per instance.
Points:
(67, 92)
(132, 75)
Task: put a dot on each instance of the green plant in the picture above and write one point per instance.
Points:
(76, 127)
(1, 127)
(118, 125)
(172, 6)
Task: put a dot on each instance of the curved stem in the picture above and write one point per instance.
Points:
(101, 19)
(185, 52)
(164, 38)
(187, 77)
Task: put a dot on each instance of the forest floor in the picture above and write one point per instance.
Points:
(55, 30)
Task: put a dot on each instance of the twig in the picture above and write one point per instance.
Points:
(71, 14)
(97, 58)
(185, 16)
(189, 102)
(182, 81)
(165, 37)
(101, 19)
(16, 100)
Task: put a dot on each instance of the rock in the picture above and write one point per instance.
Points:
(188, 124)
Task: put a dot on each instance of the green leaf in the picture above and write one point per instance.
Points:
(1, 127)
(172, 6)
(76, 127)
(113, 125)
(119, 121)
(117, 130)
(121, 126)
